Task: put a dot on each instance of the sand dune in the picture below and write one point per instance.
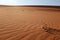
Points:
(25, 23)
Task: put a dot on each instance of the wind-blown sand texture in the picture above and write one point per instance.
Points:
(25, 23)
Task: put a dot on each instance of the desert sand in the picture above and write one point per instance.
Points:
(25, 23)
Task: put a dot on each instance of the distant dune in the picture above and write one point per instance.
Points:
(25, 23)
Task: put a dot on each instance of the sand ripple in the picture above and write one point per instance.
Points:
(16, 23)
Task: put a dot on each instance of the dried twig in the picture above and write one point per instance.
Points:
(51, 30)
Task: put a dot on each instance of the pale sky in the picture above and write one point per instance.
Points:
(30, 2)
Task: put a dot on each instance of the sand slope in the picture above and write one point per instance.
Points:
(25, 23)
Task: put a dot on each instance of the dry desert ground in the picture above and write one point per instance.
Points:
(26, 23)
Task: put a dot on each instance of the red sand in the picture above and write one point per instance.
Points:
(24, 23)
